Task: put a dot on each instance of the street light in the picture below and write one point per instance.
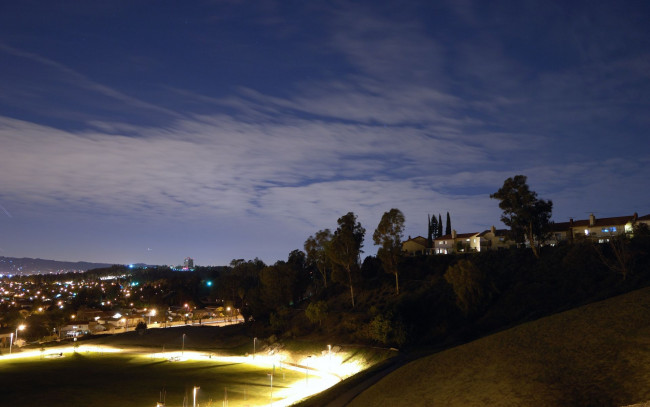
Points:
(271, 376)
(183, 348)
(307, 371)
(254, 340)
(152, 313)
(195, 389)
(18, 328)
(329, 355)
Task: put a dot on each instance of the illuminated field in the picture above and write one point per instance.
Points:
(94, 376)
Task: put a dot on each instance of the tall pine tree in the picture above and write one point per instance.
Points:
(439, 225)
(448, 228)
(433, 230)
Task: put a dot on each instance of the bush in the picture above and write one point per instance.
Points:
(387, 330)
(316, 312)
(278, 320)
(469, 284)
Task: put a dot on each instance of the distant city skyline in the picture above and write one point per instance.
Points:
(141, 133)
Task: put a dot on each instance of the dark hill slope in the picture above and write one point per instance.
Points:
(595, 355)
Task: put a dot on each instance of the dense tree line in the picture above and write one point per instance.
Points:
(394, 300)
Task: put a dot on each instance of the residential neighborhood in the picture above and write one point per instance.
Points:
(596, 229)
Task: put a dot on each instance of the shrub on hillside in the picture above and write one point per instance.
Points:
(387, 330)
(316, 312)
(470, 285)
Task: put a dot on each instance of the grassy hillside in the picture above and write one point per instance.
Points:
(595, 355)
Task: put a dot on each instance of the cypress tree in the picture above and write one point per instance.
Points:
(433, 229)
(448, 228)
(439, 225)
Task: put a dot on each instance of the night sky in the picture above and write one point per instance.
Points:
(149, 131)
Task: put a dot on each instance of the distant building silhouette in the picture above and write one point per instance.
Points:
(188, 263)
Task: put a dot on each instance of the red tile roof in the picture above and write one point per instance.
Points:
(618, 220)
(458, 236)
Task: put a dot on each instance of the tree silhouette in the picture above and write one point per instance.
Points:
(433, 230)
(316, 249)
(527, 216)
(388, 236)
(345, 248)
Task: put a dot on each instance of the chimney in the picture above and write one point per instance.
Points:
(570, 222)
(453, 233)
(493, 230)
(592, 220)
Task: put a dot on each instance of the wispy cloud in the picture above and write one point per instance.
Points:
(411, 121)
(68, 81)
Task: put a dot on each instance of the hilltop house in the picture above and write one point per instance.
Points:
(645, 220)
(491, 239)
(456, 243)
(415, 246)
(496, 239)
(600, 230)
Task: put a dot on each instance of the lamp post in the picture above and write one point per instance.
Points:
(183, 348)
(254, 341)
(307, 371)
(271, 376)
(18, 328)
(152, 313)
(329, 355)
(194, 391)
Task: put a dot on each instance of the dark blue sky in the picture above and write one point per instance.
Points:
(142, 131)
